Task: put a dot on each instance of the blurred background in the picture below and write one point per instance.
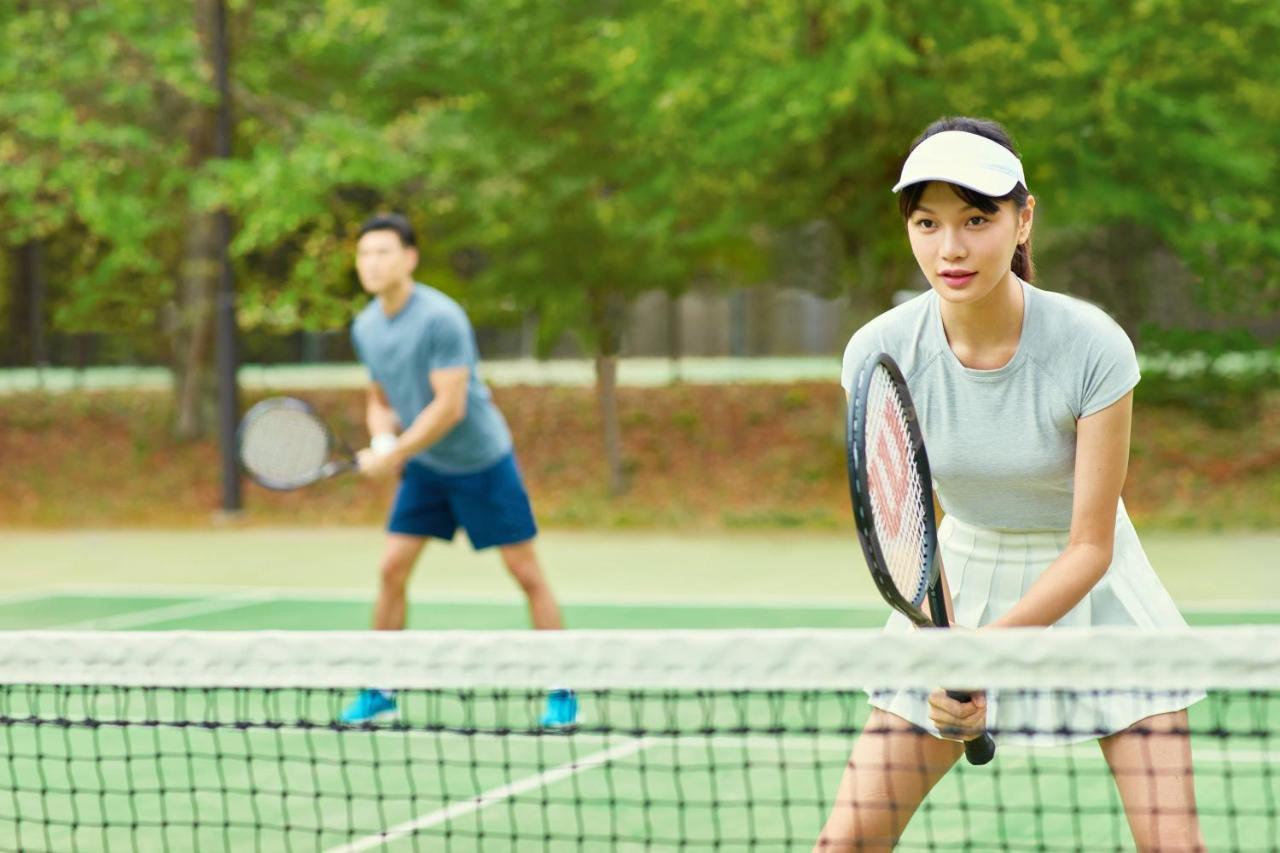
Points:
(665, 220)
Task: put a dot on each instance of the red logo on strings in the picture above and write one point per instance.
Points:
(889, 474)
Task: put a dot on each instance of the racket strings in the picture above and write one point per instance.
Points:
(284, 446)
(898, 499)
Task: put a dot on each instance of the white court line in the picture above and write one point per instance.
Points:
(494, 796)
(150, 616)
(762, 602)
(23, 596)
(361, 595)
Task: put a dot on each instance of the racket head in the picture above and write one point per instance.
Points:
(284, 444)
(892, 493)
(891, 488)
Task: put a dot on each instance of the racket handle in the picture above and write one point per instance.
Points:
(981, 749)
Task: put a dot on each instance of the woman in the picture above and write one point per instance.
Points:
(1025, 400)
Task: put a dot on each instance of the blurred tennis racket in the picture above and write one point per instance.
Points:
(892, 494)
(284, 445)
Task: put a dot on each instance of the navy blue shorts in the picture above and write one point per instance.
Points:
(491, 505)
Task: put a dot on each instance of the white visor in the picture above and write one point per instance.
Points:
(965, 159)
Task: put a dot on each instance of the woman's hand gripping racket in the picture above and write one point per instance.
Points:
(284, 445)
(892, 493)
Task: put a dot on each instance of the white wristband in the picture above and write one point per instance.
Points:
(383, 443)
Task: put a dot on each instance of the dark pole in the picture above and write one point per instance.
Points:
(225, 322)
(39, 289)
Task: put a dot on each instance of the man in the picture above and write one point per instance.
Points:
(454, 455)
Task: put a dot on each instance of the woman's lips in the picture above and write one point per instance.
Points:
(957, 279)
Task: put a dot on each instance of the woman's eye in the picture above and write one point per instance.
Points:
(977, 220)
(924, 223)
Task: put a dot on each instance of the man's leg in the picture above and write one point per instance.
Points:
(494, 508)
(521, 561)
(399, 556)
(420, 511)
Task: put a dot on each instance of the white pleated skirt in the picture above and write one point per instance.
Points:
(988, 572)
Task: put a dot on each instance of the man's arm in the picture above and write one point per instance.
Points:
(433, 423)
(379, 417)
(440, 416)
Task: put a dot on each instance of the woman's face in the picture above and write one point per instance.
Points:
(964, 252)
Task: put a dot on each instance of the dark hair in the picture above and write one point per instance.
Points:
(909, 198)
(391, 222)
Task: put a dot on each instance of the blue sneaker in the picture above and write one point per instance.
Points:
(562, 710)
(369, 707)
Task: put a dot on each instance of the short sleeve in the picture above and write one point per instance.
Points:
(864, 344)
(1110, 368)
(450, 342)
(355, 342)
(359, 351)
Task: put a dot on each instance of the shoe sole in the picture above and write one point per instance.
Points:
(380, 717)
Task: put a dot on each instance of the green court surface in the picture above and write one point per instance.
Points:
(305, 785)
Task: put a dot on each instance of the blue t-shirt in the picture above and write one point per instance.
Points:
(431, 332)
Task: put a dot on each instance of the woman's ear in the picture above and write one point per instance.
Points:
(1025, 217)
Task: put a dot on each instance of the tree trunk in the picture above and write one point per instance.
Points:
(17, 342)
(195, 294)
(606, 317)
(607, 397)
(193, 328)
(38, 286)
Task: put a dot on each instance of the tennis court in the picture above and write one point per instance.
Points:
(468, 771)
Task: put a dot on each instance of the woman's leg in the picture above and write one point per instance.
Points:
(1151, 762)
(892, 766)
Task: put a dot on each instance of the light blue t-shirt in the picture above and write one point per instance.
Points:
(1002, 443)
(431, 332)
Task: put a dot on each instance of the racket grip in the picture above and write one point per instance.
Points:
(981, 749)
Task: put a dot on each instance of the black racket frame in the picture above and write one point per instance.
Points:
(980, 750)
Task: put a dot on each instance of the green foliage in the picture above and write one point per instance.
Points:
(1221, 376)
(560, 158)
(90, 157)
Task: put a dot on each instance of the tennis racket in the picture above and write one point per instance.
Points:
(284, 445)
(892, 494)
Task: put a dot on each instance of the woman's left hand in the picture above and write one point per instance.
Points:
(958, 720)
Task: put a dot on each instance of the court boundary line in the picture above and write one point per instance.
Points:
(168, 613)
(494, 796)
(27, 594)
(362, 595)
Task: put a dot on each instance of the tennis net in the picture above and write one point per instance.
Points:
(685, 740)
